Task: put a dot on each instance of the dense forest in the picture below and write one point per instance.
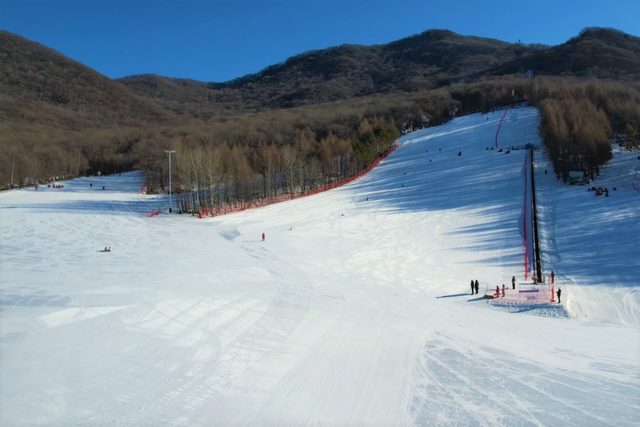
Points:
(248, 139)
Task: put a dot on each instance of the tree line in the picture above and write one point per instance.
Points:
(239, 156)
(208, 176)
(579, 121)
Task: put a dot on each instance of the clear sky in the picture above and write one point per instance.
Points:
(218, 40)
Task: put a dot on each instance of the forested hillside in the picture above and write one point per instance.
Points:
(315, 118)
(596, 52)
(425, 61)
(33, 74)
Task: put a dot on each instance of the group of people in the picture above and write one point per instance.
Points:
(504, 288)
(599, 191)
(474, 286)
(49, 186)
(502, 292)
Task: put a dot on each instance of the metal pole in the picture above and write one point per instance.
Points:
(169, 153)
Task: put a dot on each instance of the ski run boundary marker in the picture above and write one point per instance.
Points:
(225, 210)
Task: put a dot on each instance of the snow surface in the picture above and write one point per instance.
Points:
(352, 312)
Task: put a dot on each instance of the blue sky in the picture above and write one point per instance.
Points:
(220, 40)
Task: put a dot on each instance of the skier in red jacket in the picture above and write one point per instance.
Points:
(263, 237)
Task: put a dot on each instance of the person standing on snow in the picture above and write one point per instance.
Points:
(263, 237)
(558, 293)
(503, 290)
(513, 282)
(477, 286)
(471, 286)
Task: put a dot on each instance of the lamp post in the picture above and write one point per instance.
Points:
(169, 152)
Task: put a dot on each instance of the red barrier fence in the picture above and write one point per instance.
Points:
(500, 125)
(224, 210)
(537, 293)
(152, 214)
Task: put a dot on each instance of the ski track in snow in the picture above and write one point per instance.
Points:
(358, 315)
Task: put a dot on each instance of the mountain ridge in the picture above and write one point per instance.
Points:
(46, 85)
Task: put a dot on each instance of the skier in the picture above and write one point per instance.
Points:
(263, 237)
(459, 153)
(513, 282)
(552, 276)
(477, 286)
(497, 292)
(471, 286)
(103, 188)
(36, 187)
(503, 290)
(91, 185)
(558, 293)
(545, 171)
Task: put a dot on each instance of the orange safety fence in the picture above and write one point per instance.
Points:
(500, 125)
(152, 214)
(239, 207)
(537, 293)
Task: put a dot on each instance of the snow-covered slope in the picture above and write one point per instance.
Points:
(352, 312)
(593, 243)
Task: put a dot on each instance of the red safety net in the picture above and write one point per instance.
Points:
(537, 292)
(500, 125)
(152, 214)
(224, 210)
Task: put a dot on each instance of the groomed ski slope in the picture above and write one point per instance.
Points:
(352, 312)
